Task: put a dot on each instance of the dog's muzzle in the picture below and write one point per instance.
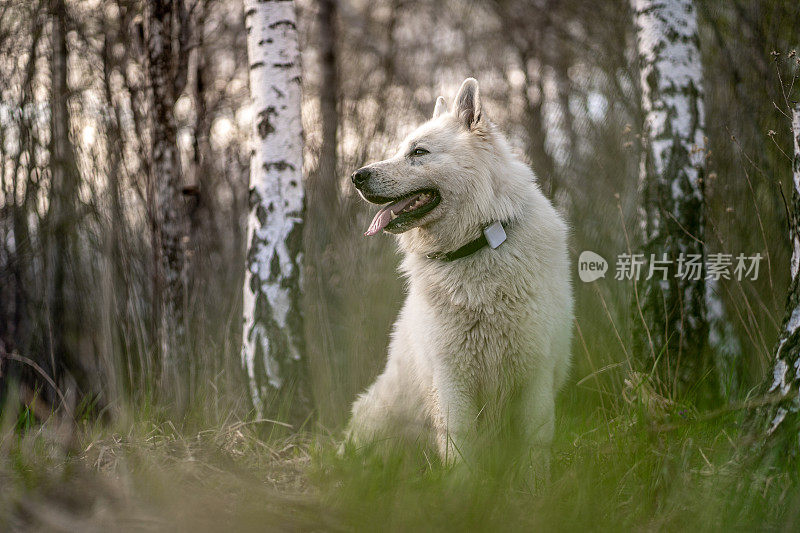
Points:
(360, 177)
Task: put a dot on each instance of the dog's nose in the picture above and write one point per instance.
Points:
(360, 177)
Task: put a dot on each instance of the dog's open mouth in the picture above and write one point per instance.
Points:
(400, 214)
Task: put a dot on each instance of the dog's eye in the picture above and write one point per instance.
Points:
(419, 151)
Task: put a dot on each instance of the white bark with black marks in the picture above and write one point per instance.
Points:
(272, 351)
(679, 317)
(780, 421)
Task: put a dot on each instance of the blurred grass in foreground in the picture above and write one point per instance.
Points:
(644, 465)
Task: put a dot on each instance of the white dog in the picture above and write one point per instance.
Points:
(484, 334)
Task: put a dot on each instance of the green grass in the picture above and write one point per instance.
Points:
(632, 465)
(634, 471)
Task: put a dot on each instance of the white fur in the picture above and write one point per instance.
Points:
(478, 330)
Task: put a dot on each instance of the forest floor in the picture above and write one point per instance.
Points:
(620, 469)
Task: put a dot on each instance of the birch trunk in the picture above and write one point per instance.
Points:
(165, 177)
(64, 183)
(323, 199)
(329, 97)
(272, 344)
(779, 421)
(673, 328)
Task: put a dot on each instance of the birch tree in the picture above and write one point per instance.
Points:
(679, 313)
(272, 344)
(329, 95)
(165, 77)
(779, 422)
(64, 181)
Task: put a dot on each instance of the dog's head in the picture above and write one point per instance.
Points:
(442, 178)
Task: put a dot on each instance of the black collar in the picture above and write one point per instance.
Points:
(468, 249)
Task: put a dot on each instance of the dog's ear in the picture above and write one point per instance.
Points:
(468, 104)
(441, 107)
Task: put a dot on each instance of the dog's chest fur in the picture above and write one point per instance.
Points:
(476, 318)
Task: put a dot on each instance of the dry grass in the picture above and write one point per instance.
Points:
(154, 477)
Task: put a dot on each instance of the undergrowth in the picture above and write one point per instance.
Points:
(636, 465)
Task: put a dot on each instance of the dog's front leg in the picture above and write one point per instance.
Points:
(539, 425)
(454, 418)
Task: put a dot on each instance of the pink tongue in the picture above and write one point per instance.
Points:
(384, 216)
